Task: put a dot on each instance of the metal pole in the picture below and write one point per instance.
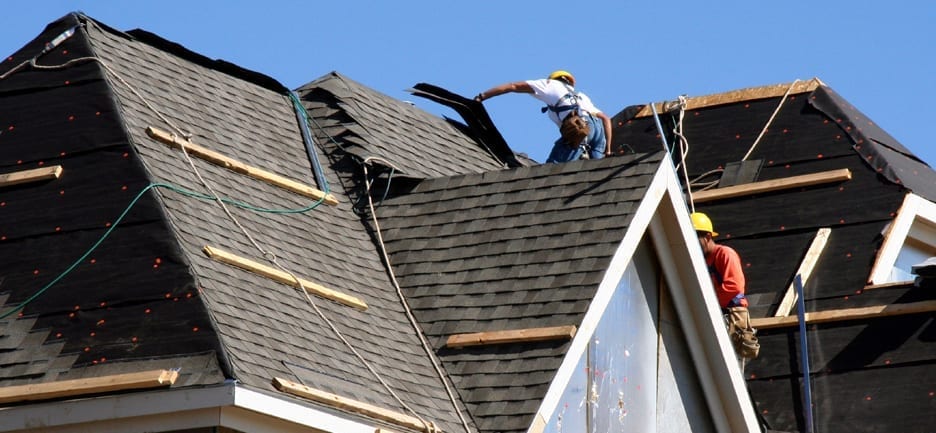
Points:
(804, 353)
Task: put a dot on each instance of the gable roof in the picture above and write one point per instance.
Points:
(252, 328)
(525, 249)
(806, 129)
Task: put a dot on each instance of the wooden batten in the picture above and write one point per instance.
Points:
(805, 180)
(872, 312)
(282, 277)
(805, 270)
(91, 385)
(31, 175)
(511, 336)
(216, 158)
(748, 94)
(350, 405)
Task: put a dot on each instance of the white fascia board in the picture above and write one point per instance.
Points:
(45, 416)
(913, 208)
(620, 260)
(687, 278)
(295, 413)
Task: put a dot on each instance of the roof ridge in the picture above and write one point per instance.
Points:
(181, 51)
(738, 95)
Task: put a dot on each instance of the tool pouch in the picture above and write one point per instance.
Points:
(574, 129)
(743, 336)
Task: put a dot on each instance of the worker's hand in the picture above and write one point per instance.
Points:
(479, 97)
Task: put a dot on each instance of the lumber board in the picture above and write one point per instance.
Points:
(91, 385)
(804, 180)
(748, 94)
(843, 314)
(894, 284)
(272, 273)
(31, 175)
(350, 405)
(511, 336)
(219, 159)
(805, 270)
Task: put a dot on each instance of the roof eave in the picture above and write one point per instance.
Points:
(230, 405)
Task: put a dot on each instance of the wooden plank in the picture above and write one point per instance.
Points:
(216, 158)
(350, 405)
(805, 270)
(31, 175)
(875, 311)
(748, 94)
(511, 336)
(811, 179)
(91, 385)
(282, 277)
(888, 285)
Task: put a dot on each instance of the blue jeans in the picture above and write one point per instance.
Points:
(594, 144)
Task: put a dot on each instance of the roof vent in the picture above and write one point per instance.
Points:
(740, 172)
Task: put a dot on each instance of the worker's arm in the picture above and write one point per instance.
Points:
(515, 87)
(607, 127)
(730, 268)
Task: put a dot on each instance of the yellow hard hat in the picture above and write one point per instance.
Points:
(562, 74)
(702, 223)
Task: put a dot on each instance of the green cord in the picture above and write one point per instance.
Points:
(123, 214)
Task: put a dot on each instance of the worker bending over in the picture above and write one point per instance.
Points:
(574, 113)
(724, 266)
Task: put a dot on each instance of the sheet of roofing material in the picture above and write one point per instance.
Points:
(475, 116)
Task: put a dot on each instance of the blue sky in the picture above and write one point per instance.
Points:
(878, 55)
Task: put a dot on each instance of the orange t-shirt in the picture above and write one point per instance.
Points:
(724, 266)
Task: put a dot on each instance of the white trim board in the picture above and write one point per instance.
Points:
(232, 406)
(915, 209)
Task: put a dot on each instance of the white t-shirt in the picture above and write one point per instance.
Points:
(550, 91)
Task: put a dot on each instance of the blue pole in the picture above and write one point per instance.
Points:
(804, 352)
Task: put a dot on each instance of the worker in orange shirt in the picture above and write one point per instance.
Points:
(724, 266)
